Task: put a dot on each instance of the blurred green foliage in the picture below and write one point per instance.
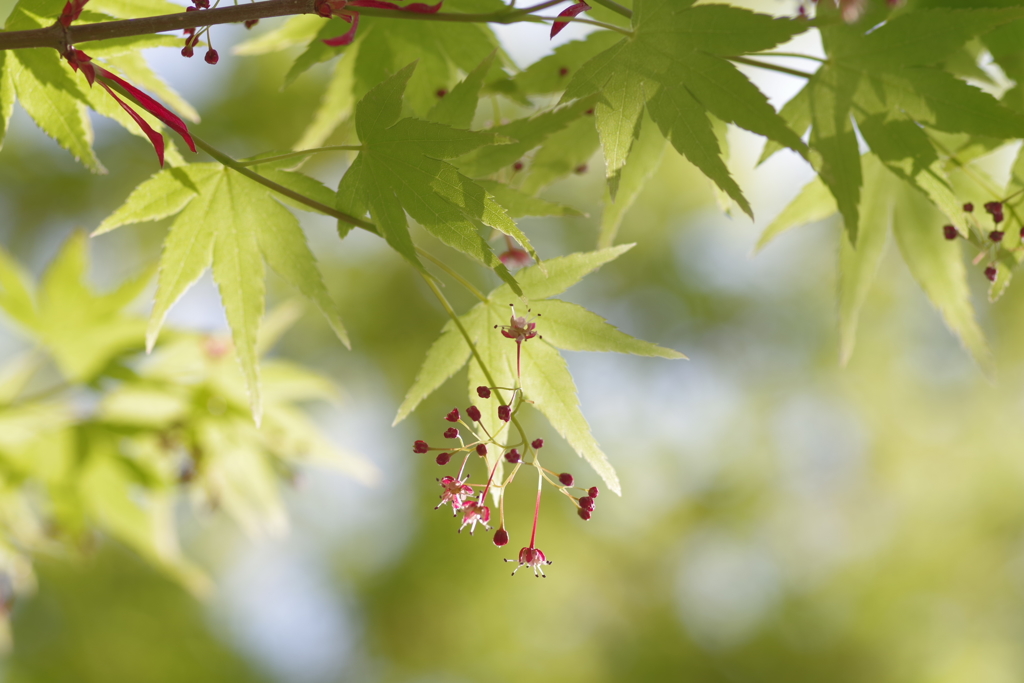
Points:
(782, 519)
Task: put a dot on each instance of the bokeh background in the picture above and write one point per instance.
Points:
(783, 519)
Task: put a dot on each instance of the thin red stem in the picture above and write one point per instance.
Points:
(536, 515)
(483, 496)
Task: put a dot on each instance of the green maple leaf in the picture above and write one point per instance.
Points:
(401, 169)
(232, 223)
(546, 381)
(890, 197)
(82, 330)
(890, 82)
(674, 67)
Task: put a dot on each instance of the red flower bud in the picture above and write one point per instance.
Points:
(990, 273)
(451, 433)
(453, 416)
(996, 236)
(968, 207)
(420, 447)
(474, 413)
(585, 515)
(949, 232)
(513, 456)
(587, 503)
(481, 449)
(500, 537)
(538, 443)
(566, 479)
(483, 392)
(211, 57)
(504, 414)
(443, 458)
(593, 491)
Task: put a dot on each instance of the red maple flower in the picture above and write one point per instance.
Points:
(474, 513)
(80, 61)
(339, 8)
(455, 491)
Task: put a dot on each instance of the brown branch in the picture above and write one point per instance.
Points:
(59, 37)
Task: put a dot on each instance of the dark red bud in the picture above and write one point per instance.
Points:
(585, 515)
(518, 166)
(451, 433)
(587, 503)
(420, 447)
(483, 392)
(589, 112)
(538, 443)
(564, 71)
(504, 414)
(251, 23)
(949, 231)
(994, 207)
(990, 273)
(441, 92)
(996, 236)
(186, 51)
(580, 170)
(453, 416)
(443, 458)
(212, 57)
(513, 456)
(566, 479)
(481, 449)
(500, 537)
(593, 491)
(474, 413)
(968, 207)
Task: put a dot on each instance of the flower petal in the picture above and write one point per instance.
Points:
(154, 137)
(568, 13)
(348, 36)
(152, 106)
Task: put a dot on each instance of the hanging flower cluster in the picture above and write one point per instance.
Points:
(474, 439)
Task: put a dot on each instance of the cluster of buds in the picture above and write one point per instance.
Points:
(989, 238)
(493, 447)
(192, 37)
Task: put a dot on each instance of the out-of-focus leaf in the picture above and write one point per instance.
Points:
(519, 204)
(814, 203)
(937, 265)
(857, 266)
(456, 109)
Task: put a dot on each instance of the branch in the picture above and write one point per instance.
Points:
(60, 37)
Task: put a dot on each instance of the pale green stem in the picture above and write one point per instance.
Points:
(770, 67)
(301, 152)
(454, 275)
(616, 7)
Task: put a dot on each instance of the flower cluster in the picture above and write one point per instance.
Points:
(505, 442)
(192, 37)
(988, 234)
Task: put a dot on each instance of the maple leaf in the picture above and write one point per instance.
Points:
(232, 223)
(674, 66)
(889, 82)
(546, 381)
(401, 169)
